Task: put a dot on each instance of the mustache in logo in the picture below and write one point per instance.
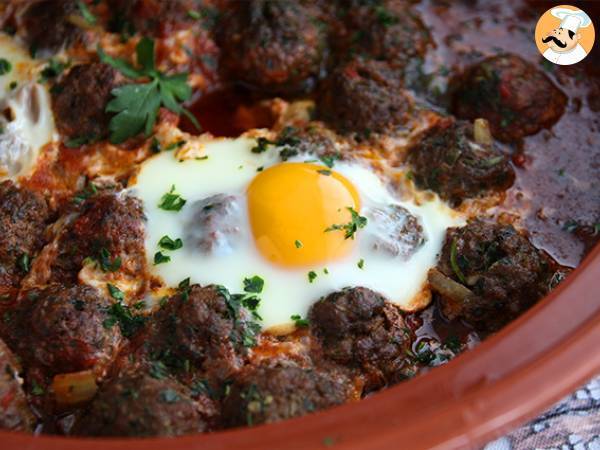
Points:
(556, 41)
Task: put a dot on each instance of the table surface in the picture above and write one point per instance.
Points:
(571, 424)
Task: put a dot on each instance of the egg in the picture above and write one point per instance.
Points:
(304, 228)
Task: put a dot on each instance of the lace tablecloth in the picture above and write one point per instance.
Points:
(572, 424)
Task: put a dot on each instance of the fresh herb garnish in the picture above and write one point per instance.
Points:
(324, 172)
(115, 292)
(87, 192)
(86, 13)
(106, 263)
(172, 201)
(77, 142)
(234, 302)
(5, 66)
(158, 370)
(299, 321)
(329, 160)
(174, 145)
(136, 105)
(194, 14)
(36, 389)
(24, 262)
(298, 243)
(160, 258)
(454, 263)
(254, 285)
(52, 70)
(261, 145)
(356, 222)
(120, 314)
(311, 276)
(361, 264)
(166, 243)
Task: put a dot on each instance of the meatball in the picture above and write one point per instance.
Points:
(385, 30)
(359, 328)
(364, 97)
(14, 411)
(23, 217)
(47, 28)
(271, 45)
(512, 94)
(207, 326)
(447, 160)
(503, 273)
(270, 393)
(140, 405)
(63, 329)
(109, 230)
(215, 227)
(393, 230)
(79, 101)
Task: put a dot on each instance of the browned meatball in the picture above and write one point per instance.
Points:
(359, 328)
(363, 97)
(110, 230)
(23, 217)
(503, 273)
(387, 30)
(63, 329)
(14, 411)
(447, 160)
(270, 393)
(47, 27)
(140, 405)
(79, 101)
(274, 46)
(208, 326)
(512, 94)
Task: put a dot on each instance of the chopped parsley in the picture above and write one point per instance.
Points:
(5, 66)
(166, 243)
(172, 201)
(311, 276)
(298, 243)
(356, 222)
(158, 370)
(174, 145)
(299, 321)
(324, 172)
(36, 389)
(160, 258)
(261, 145)
(24, 262)
(120, 314)
(86, 13)
(361, 264)
(79, 141)
(326, 271)
(136, 105)
(87, 192)
(115, 292)
(106, 263)
(194, 14)
(249, 329)
(52, 70)
(329, 160)
(254, 285)
(454, 263)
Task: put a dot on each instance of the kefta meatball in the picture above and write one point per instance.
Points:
(47, 28)
(512, 94)
(448, 160)
(266, 394)
(14, 411)
(271, 45)
(358, 328)
(63, 329)
(387, 30)
(207, 326)
(79, 101)
(140, 405)
(23, 217)
(363, 97)
(108, 230)
(489, 274)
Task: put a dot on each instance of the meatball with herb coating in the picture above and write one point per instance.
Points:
(23, 218)
(270, 393)
(512, 94)
(271, 45)
(79, 102)
(140, 405)
(64, 329)
(363, 97)
(358, 328)
(488, 274)
(14, 410)
(449, 160)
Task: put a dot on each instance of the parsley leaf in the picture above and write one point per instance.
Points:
(86, 13)
(311, 276)
(454, 263)
(361, 264)
(136, 105)
(298, 243)
(167, 243)
(24, 262)
(5, 66)
(172, 201)
(356, 222)
(118, 313)
(254, 285)
(299, 321)
(115, 292)
(160, 258)
(106, 264)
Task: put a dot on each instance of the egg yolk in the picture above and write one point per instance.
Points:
(290, 207)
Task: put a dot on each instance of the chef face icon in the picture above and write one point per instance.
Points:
(564, 35)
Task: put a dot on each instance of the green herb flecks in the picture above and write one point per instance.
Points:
(299, 322)
(161, 258)
(86, 13)
(115, 292)
(312, 275)
(254, 285)
(454, 263)
(5, 66)
(356, 222)
(166, 243)
(24, 263)
(136, 105)
(172, 201)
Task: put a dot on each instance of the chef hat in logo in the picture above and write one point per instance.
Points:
(571, 19)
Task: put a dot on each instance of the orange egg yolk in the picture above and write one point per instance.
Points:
(292, 204)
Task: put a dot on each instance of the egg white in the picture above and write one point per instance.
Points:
(229, 168)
